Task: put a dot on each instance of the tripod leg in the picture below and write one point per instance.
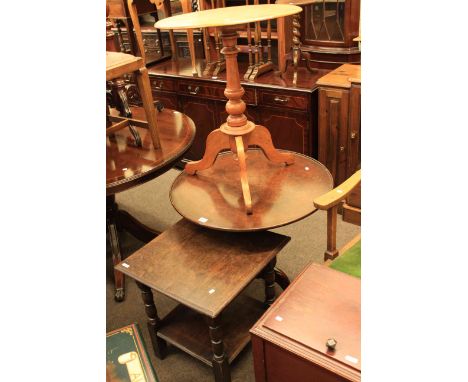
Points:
(215, 142)
(243, 174)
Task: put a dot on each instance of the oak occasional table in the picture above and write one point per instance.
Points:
(205, 271)
(128, 166)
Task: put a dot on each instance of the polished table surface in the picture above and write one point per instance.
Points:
(280, 194)
(128, 165)
(227, 16)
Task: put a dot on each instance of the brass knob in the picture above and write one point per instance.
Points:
(331, 344)
(341, 148)
(353, 135)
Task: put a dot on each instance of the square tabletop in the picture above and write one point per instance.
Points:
(201, 268)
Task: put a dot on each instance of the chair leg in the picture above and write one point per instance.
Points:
(143, 82)
(331, 252)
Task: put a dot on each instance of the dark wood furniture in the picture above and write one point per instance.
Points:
(340, 130)
(328, 30)
(128, 166)
(205, 271)
(280, 194)
(296, 53)
(312, 332)
(290, 114)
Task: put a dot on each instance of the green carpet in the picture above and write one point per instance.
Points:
(350, 261)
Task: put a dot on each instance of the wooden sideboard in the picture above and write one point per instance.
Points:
(340, 130)
(289, 113)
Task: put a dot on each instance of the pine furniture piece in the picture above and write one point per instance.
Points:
(205, 271)
(128, 165)
(339, 130)
(237, 133)
(312, 331)
(116, 65)
(330, 202)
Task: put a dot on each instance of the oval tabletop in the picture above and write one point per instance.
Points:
(306, 2)
(241, 14)
(128, 165)
(280, 194)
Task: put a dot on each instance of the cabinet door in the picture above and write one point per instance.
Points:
(354, 126)
(289, 129)
(203, 114)
(169, 100)
(333, 131)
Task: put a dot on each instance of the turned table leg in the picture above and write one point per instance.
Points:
(119, 279)
(154, 322)
(220, 363)
(269, 279)
(281, 278)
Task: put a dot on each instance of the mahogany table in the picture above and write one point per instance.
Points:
(128, 166)
(280, 194)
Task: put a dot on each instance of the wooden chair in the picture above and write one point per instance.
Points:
(330, 202)
(118, 64)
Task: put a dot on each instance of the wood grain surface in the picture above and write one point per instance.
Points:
(320, 304)
(280, 194)
(202, 268)
(228, 16)
(128, 165)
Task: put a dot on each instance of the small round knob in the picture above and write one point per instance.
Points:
(331, 344)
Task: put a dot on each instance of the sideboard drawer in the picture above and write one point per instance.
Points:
(290, 101)
(211, 91)
(162, 84)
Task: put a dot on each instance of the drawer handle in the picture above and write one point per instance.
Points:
(281, 100)
(194, 92)
(353, 135)
(158, 87)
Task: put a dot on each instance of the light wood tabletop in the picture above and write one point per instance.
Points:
(228, 16)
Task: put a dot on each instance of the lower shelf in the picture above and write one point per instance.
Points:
(188, 330)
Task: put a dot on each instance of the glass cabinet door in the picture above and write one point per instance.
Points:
(324, 20)
(331, 23)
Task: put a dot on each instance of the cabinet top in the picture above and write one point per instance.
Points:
(342, 76)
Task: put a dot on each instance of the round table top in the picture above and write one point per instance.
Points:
(242, 14)
(298, 2)
(128, 165)
(280, 194)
